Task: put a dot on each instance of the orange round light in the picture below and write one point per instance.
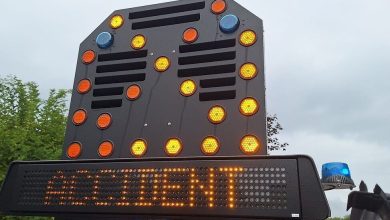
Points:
(104, 121)
(106, 148)
(88, 57)
(133, 92)
(218, 6)
(79, 117)
(84, 86)
(74, 150)
(190, 35)
(250, 145)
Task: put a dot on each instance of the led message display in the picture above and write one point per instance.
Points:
(260, 187)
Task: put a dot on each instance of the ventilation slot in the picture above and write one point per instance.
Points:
(120, 79)
(203, 71)
(108, 91)
(122, 55)
(221, 82)
(115, 103)
(207, 46)
(121, 67)
(167, 10)
(212, 96)
(166, 21)
(207, 58)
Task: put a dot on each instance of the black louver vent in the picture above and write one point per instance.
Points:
(120, 67)
(120, 79)
(166, 21)
(167, 10)
(116, 92)
(207, 58)
(209, 73)
(108, 91)
(221, 95)
(219, 82)
(213, 45)
(113, 103)
(122, 55)
(209, 70)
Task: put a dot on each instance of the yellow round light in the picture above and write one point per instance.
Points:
(249, 107)
(188, 88)
(138, 42)
(162, 64)
(116, 21)
(138, 148)
(248, 38)
(250, 145)
(248, 71)
(173, 147)
(217, 114)
(210, 146)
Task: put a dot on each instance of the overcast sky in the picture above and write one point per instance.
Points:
(327, 70)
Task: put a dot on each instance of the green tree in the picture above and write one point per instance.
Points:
(31, 128)
(340, 218)
(273, 130)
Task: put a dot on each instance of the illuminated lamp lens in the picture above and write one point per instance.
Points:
(138, 42)
(104, 40)
(88, 57)
(74, 150)
(133, 92)
(79, 117)
(116, 21)
(138, 148)
(229, 24)
(248, 71)
(84, 86)
(249, 107)
(248, 38)
(106, 148)
(162, 64)
(190, 35)
(250, 145)
(188, 88)
(334, 169)
(218, 6)
(210, 146)
(173, 147)
(217, 114)
(104, 121)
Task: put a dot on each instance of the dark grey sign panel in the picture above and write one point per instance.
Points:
(261, 187)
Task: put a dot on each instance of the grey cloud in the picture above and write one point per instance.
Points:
(327, 66)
